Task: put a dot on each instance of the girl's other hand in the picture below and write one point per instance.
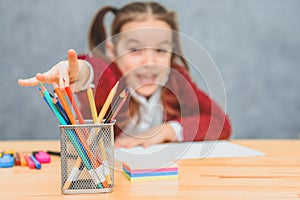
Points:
(155, 135)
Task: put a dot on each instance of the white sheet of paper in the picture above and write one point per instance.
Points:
(185, 150)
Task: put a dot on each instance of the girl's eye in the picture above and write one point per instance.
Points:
(134, 49)
(161, 50)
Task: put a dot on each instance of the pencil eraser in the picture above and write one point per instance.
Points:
(42, 157)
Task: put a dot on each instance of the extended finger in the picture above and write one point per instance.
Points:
(28, 82)
(73, 65)
(72, 56)
(47, 77)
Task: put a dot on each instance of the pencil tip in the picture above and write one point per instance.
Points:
(123, 93)
(54, 85)
(42, 89)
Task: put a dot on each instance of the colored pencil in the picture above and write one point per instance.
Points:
(60, 109)
(113, 108)
(42, 95)
(107, 103)
(92, 104)
(64, 103)
(73, 103)
(51, 105)
(117, 106)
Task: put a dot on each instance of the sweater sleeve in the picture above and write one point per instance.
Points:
(84, 84)
(201, 117)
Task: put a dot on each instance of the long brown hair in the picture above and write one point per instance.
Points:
(138, 11)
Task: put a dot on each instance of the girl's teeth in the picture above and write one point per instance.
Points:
(146, 79)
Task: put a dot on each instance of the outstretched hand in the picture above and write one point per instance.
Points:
(63, 73)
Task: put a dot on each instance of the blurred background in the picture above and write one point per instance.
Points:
(255, 44)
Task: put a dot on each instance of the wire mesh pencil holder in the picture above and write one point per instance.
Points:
(87, 158)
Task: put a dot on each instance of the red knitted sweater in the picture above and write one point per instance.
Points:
(201, 118)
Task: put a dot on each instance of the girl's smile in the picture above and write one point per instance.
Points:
(146, 78)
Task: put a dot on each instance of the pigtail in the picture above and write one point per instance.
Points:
(177, 56)
(97, 33)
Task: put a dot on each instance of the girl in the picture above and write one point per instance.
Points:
(144, 55)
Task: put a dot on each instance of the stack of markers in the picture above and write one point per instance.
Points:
(32, 160)
(148, 171)
(82, 143)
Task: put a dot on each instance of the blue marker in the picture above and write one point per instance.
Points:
(36, 162)
(7, 160)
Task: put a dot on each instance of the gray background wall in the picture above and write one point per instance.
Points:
(255, 44)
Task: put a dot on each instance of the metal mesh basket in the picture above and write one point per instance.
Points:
(87, 158)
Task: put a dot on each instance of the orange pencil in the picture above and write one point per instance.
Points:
(76, 109)
(64, 103)
(73, 102)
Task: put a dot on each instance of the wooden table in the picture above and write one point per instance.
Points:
(273, 176)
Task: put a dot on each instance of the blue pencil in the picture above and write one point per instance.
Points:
(60, 109)
(40, 89)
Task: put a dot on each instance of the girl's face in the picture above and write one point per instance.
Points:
(143, 54)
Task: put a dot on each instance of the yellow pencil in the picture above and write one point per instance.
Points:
(101, 143)
(92, 104)
(107, 103)
(99, 120)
